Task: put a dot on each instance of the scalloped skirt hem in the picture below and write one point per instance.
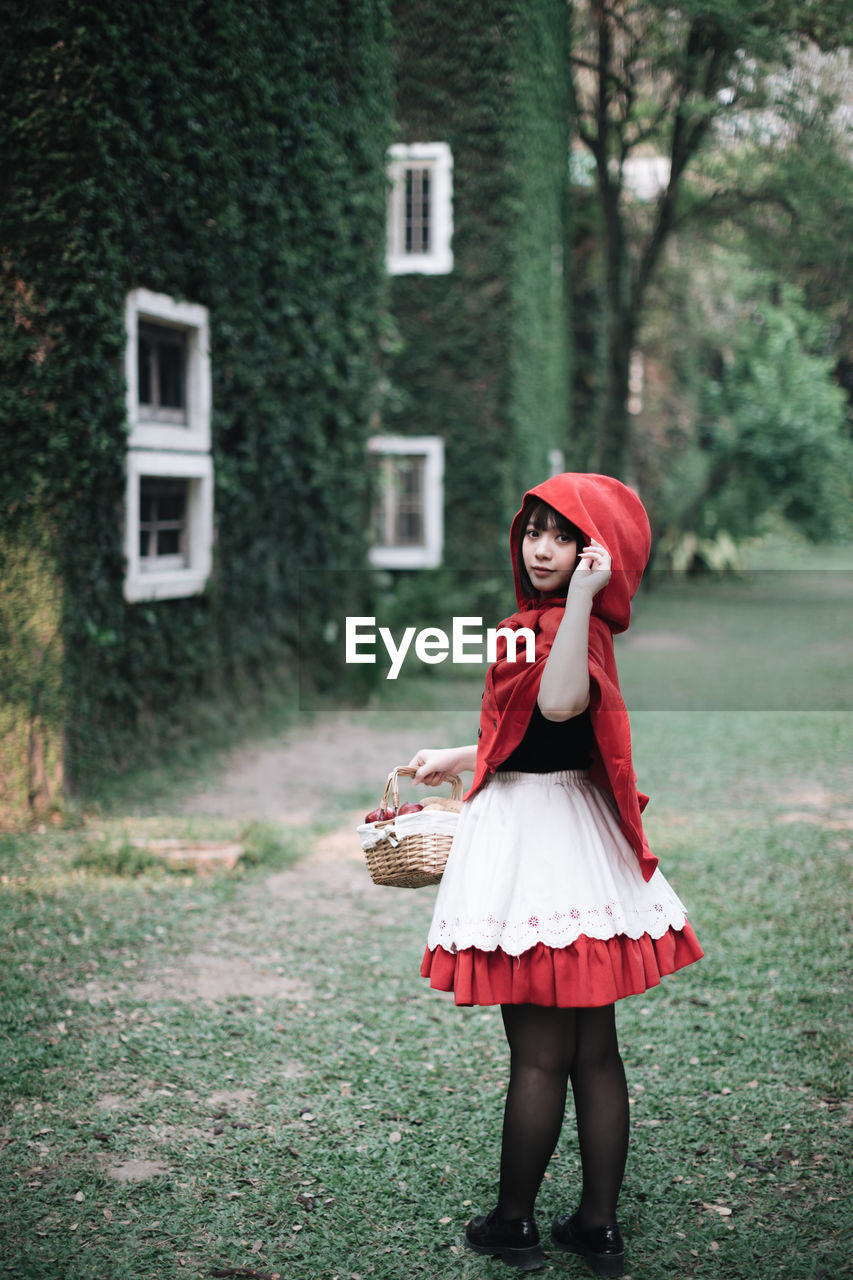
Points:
(588, 974)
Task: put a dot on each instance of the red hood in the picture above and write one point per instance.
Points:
(610, 512)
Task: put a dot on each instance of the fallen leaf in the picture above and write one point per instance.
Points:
(108, 1215)
(444, 1221)
(396, 1136)
(722, 1209)
(79, 1197)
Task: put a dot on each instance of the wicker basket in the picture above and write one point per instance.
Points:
(407, 854)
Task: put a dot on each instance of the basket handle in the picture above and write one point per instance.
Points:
(392, 786)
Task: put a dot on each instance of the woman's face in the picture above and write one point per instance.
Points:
(549, 557)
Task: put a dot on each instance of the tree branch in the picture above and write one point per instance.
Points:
(727, 204)
(600, 71)
(687, 138)
(651, 129)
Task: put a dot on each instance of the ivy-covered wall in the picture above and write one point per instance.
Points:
(228, 152)
(485, 352)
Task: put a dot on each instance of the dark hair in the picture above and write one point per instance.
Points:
(542, 516)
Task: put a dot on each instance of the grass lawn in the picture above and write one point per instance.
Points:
(316, 1113)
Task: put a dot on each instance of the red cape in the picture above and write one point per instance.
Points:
(604, 509)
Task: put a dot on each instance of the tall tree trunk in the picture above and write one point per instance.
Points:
(612, 452)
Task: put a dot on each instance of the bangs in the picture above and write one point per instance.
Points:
(543, 516)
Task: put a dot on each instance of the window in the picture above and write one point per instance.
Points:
(167, 372)
(169, 497)
(408, 515)
(420, 209)
(169, 524)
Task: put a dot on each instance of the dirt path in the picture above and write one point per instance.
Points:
(287, 780)
(346, 754)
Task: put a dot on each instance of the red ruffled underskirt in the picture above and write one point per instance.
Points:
(589, 973)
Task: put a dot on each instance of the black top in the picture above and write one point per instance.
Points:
(551, 745)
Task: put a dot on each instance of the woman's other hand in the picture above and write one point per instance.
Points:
(432, 764)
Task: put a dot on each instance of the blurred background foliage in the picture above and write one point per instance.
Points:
(713, 213)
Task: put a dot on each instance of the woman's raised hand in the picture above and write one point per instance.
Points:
(593, 569)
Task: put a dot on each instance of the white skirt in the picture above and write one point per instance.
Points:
(541, 858)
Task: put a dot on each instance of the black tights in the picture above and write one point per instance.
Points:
(549, 1047)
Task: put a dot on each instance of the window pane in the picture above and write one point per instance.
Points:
(410, 502)
(425, 197)
(168, 542)
(162, 371)
(163, 504)
(171, 359)
(171, 506)
(399, 519)
(146, 356)
(417, 237)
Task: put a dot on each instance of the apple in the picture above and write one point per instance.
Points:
(410, 807)
(379, 815)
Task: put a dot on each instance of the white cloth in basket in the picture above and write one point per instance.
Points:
(427, 822)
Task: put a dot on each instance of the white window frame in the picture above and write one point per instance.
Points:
(437, 157)
(192, 319)
(428, 555)
(174, 450)
(145, 583)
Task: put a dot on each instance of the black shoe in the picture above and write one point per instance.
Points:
(514, 1242)
(601, 1247)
